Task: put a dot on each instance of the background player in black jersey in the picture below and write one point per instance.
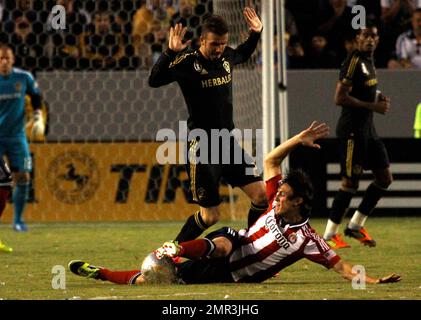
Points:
(360, 147)
(5, 189)
(205, 79)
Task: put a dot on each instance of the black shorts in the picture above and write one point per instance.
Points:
(210, 270)
(358, 154)
(234, 166)
(227, 232)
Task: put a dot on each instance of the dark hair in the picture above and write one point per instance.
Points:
(318, 33)
(302, 187)
(215, 24)
(5, 46)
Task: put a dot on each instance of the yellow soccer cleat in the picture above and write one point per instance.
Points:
(4, 248)
(84, 269)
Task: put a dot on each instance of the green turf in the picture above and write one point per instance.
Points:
(27, 272)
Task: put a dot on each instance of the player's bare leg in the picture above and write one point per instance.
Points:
(198, 222)
(259, 203)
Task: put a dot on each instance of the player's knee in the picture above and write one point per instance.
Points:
(258, 197)
(383, 178)
(261, 199)
(385, 182)
(350, 185)
(223, 247)
(210, 216)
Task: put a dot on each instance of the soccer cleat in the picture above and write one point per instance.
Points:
(170, 249)
(336, 242)
(84, 269)
(361, 235)
(4, 248)
(20, 227)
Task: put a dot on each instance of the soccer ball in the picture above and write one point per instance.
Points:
(158, 271)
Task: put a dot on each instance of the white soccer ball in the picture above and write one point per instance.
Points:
(158, 271)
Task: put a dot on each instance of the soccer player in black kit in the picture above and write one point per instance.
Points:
(205, 79)
(360, 147)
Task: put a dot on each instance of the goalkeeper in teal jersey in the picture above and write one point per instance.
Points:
(14, 85)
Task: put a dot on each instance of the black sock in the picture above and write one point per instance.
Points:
(339, 205)
(255, 212)
(371, 196)
(193, 228)
(210, 247)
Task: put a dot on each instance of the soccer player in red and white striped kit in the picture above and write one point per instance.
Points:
(5, 190)
(280, 237)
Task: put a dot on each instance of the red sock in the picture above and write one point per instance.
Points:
(196, 248)
(120, 277)
(4, 196)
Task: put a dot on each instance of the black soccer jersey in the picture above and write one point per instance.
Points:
(358, 71)
(206, 85)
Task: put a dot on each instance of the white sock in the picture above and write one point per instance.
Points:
(331, 229)
(357, 221)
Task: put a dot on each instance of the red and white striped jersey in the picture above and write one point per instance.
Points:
(268, 247)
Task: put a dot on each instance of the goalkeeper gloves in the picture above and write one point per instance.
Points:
(38, 127)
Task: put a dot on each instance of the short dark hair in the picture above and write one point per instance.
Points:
(301, 186)
(5, 46)
(215, 24)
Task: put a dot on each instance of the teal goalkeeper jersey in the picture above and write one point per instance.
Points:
(13, 89)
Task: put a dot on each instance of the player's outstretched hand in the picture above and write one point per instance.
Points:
(391, 278)
(175, 41)
(312, 133)
(252, 19)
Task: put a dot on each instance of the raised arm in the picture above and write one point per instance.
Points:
(246, 49)
(345, 270)
(160, 73)
(307, 137)
(253, 21)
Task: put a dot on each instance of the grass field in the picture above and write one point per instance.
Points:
(27, 272)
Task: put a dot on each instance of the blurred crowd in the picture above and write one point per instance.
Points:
(131, 34)
(99, 34)
(320, 33)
